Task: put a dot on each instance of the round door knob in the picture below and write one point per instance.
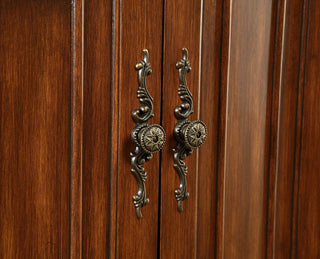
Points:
(195, 134)
(152, 138)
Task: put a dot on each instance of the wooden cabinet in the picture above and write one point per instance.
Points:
(68, 86)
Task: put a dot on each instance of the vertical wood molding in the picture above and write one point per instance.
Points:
(98, 133)
(114, 165)
(298, 128)
(222, 124)
(272, 123)
(306, 208)
(289, 131)
(208, 190)
(77, 7)
(246, 103)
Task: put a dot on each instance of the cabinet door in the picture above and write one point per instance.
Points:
(111, 37)
(229, 48)
(137, 25)
(68, 86)
(255, 81)
(35, 146)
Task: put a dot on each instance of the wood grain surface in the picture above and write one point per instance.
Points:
(297, 203)
(97, 132)
(140, 27)
(308, 202)
(210, 112)
(182, 29)
(296, 210)
(272, 122)
(76, 128)
(221, 156)
(68, 85)
(287, 130)
(247, 85)
(35, 128)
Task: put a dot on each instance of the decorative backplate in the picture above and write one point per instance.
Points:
(147, 138)
(188, 134)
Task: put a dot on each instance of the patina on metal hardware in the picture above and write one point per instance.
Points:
(148, 139)
(189, 135)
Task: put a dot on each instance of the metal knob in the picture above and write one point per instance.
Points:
(148, 139)
(189, 135)
(152, 138)
(195, 134)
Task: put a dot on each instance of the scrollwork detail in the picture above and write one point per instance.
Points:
(147, 138)
(183, 110)
(145, 112)
(182, 113)
(188, 134)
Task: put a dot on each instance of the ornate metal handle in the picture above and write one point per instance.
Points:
(147, 138)
(189, 135)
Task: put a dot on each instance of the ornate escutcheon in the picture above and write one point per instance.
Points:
(148, 139)
(189, 135)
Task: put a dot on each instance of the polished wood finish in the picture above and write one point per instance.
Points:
(97, 132)
(272, 119)
(140, 27)
(182, 29)
(76, 128)
(287, 131)
(115, 75)
(210, 110)
(68, 87)
(308, 210)
(35, 128)
(247, 85)
(308, 172)
(221, 155)
(297, 202)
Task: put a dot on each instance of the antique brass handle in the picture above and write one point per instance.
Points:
(189, 135)
(148, 139)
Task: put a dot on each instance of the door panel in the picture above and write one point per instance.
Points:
(297, 204)
(182, 29)
(211, 109)
(308, 209)
(35, 128)
(97, 119)
(140, 27)
(289, 89)
(247, 84)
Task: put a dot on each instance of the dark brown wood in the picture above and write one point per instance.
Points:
(97, 132)
(308, 202)
(209, 113)
(114, 127)
(293, 55)
(76, 128)
(272, 125)
(182, 29)
(308, 193)
(141, 27)
(68, 87)
(297, 228)
(35, 128)
(293, 196)
(247, 84)
(223, 81)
